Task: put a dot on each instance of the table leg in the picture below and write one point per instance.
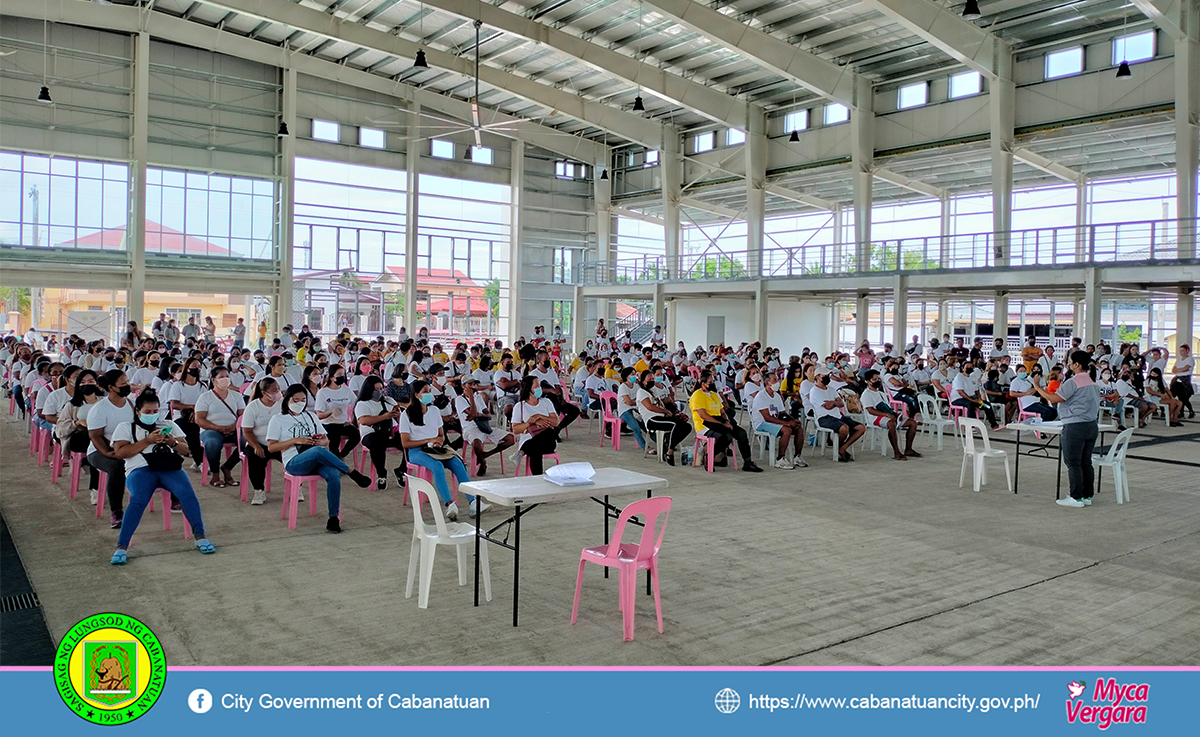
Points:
(516, 561)
(649, 493)
(478, 527)
(1017, 472)
(1058, 481)
(606, 529)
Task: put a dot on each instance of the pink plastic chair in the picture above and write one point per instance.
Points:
(40, 441)
(229, 448)
(101, 493)
(56, 463)
(710, 446)
(474, 464)
(525, 461)
(629, 558)
(610, 422)
(291, 496)
(957, 413)
(694, 372)
(76, 468)
(1023, 415)
(166, 505)
(900, 407)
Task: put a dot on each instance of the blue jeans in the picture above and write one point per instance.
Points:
(213, 442)
(142, 483)
(43, 424)
(318, 461)
(436, 469)
(630, 420)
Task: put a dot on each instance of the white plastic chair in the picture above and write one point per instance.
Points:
(659, 438)
(932, 420)
(767, 442)
(1115, 459)
(837, 442)
(880, 432)
(978, 456)
(425, 542)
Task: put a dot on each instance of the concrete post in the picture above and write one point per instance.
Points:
(756, 193)
(285, 289)
(1000, 318)
(1092, 300)
(671, 174)
(899, 311)
(135, 230)
(835, 325)
(761, 311)
(1184, 318)
(1002, 116)
(602, 189)
(672, 308)
(862, 316)
(578, 326)
(412, 215)
(944, 231)
(943, 319)
(515, 252)
(1187, 128)
(862, 153)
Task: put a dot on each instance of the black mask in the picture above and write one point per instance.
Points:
(123, 391)
(339, 380)
(194, 372)
(90, 390)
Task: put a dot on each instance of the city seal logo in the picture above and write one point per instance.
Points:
(110, 669)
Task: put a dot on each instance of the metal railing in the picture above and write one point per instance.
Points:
(1132, 242)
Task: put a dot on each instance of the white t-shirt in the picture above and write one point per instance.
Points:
(1023, 384)
(142, 377)
(218, 413)
(965, 384)
(371, 408)
(187, 394)
(523, 411)
(104, 415)
(549, 376)
(286, 427)
(767, 405)
(1126, 389)
(126, 432)
(644, 413)
(513, 375)
(625, 398)
(750, 391)
(431, 428)
(998, 353)
(55, 401)
(338, 400)
(257, 418)
(806, 388)
(596, 384)
(872, 398)
(461, 404)
(819, 396)
(483, 377)
(1188, 363)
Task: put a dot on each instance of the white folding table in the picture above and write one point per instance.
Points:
(1052, 428)
(523, 493)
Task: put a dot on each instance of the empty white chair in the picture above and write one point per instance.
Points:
(979, 455)
(1115, 460)
(932, 420)
(425, 542)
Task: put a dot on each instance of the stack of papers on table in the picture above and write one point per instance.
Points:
(571, 474)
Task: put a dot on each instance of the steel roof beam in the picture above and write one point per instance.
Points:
(1037, 161)
(898, 179)
(1172, 16)
(945, 29)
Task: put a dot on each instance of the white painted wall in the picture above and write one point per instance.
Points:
(691, 322)
(793, 325)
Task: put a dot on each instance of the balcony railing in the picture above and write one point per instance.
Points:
(1133, 242)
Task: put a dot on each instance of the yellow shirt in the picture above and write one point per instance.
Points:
(575, 365)
(262, 331)
(612, 373)
(301, 355)
(441, 358)
(496, 356)
(474, 362)
(710, 402)
(641, 366)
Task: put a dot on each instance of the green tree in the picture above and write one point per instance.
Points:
(351, 280)
(15, 299)
(1127, 334)
(884, 257)
(491, 292)
(720, 267)
(393, 305)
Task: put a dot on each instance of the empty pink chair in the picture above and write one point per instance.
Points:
(610, 422)
(291, 496)
(629, 558)
(524, 461)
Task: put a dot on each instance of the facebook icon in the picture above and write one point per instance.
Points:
(200, 701)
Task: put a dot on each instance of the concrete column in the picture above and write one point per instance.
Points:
(862, 153)
(835, 325)
(756, 193)
(285, 289)
(839, 251)
(671, 174)
(1091, 298)
(412, 215)
(672, 308)
(944, 231)
(1184, 318)
(1187, 128)
(761, 311)
(657, 305)
(578, 326)
(943, 319)
(135, 230)
(862, 316)
(604, 254)
(1082, 240)
(1000, 318)
(515, 252)
(899, 311)
(1002, 115)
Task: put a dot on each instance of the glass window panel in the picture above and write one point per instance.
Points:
(913, 95)
(116, 171)
(733, 137)
(219, 213)
(481, 155)
(62, 167)
(967, 83)
(371, 138)
(91, 170)
(91, 204)
(797, 120)
(264, 187)
(10, 161)
(836, 113)
(37, 164)
(1135, 47)
(325, 130)
(116, 204)
(441, 149)
(62, 200)
(1064, 63)
(370, 251)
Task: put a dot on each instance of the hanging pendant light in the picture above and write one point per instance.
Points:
(44, 95)
(971, 10)
(467, 156)
(419, 62)
(638, 105)
(283, 130)
(795, 137)
(604, 176)
(1123, 71)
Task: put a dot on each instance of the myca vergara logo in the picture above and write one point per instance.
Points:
(110, 669)
(1112, 703)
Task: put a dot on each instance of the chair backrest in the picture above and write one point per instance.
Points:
(417, 488)
(608, 400)
(969, 427)
(237, 433)
(694, 372)
(1119, 446)
(652, 509)
(929, 408)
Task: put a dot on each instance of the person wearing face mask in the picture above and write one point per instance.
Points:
(143, 375)
(184, 395)
(828, 408)
(508, 385)
(1022, 389)
(966, 392)
(237, 377)
(102, 422)
(276, 369)
(1157, 394)
(265, 403)
(708, 417)
(300, 438)
(377, 414)
(1181, 378)
(362, 369)
(217, 413)
(150, 448)
(534, 421)
(553, 390)
(333, 403)
(71, 427)
(658, 416)
(627, 405)
(421, 428)
(60, 396)
(1078, 404)
(879, 411)
(768, 415)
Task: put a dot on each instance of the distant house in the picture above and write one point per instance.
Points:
(159, 239)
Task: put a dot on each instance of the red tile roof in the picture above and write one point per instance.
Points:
(159, 239)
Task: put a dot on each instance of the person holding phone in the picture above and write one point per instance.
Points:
(299, 436)
(153, 449)
(421, 430)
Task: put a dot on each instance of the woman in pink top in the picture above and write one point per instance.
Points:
(866, 357)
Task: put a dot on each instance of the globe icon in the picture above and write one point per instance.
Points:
(728, 701)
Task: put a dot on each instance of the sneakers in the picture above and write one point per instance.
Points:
(381, 483)
(260, 498)
(176, 507)
(300, 493)
(196, 467)
(451, 512)
(93, 495)
(360, 478)
(114, 521)
(799, 462)
(478, 506)
(333, 525)
(1069, 502)
(784, 463)
(1087, 502)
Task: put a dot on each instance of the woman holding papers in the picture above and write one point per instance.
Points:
(531, 418)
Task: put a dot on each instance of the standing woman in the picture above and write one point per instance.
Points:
(377, 413)
(532, 416)
(420, 428)
(299, 436)
(102, 421)
(1078, 404)
(151, 449)
(332, 406)
(184, 395)
(210, 330)
(264, 405)
(217, 413)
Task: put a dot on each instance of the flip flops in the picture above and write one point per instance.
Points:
(119, 558)
(204, 546)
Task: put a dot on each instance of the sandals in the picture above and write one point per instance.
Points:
(203, 545)
(119, 557)
(216, 482)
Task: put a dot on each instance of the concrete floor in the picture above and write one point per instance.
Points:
(876, 563)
